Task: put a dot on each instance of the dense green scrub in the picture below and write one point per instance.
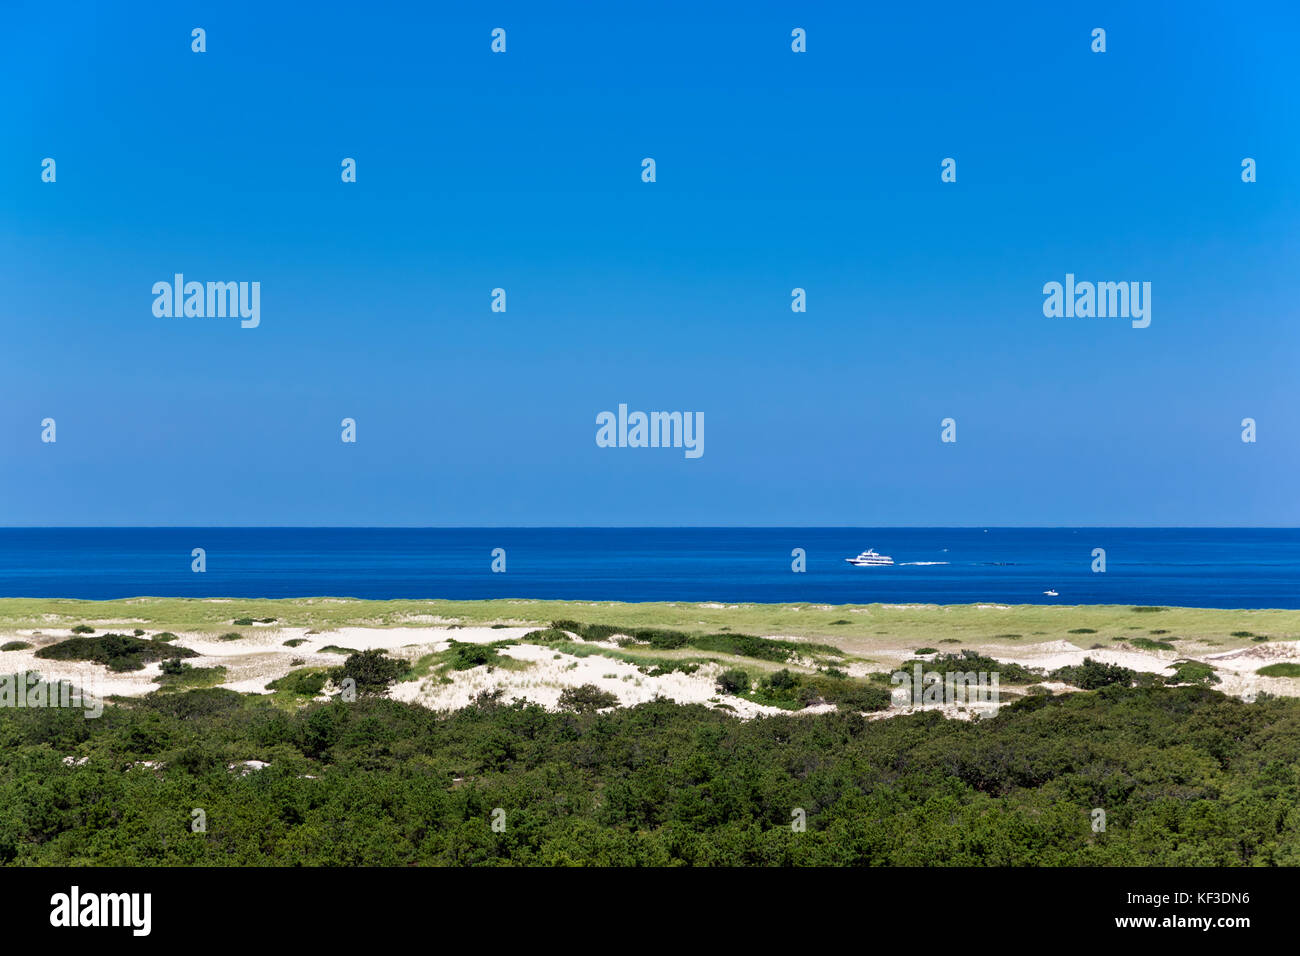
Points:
(119, 652)
(1184, 774)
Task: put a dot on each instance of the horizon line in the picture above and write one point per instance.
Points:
(650, 527)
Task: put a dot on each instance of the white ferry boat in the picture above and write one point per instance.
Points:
(869, 559)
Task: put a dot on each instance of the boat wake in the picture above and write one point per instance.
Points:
(901, 563)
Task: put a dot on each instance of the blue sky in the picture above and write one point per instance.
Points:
(775, 170)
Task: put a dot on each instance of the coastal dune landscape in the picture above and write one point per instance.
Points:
(364, 550)
(330, 732)
(249, 645)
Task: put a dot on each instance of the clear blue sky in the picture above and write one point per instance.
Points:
(775, 170)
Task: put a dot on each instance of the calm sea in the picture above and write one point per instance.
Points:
(1200, 567)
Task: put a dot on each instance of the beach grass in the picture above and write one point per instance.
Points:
(867, 624)
(192, 677)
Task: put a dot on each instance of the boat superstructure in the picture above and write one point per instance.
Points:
(869, 559)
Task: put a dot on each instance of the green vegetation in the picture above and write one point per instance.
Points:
(1091, 675)
(250, 621)
(792, 690)
(14, 646)
(231, 636)
(1188, 777)
(304, 682)
(83, 629)
(120, 652)
(912, 625)
(295, 641)
(1193, 672)
(735, 681)
(463, 657)
(586, 699)
(164, 636)
(335, 649)
(177, 675)
(969, 660)
(1283, 669)
(664, 639)
(1146, 644)
(372, 671)
(548, 635)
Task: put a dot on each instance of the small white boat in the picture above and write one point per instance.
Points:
(869, 559)
(1051, 593)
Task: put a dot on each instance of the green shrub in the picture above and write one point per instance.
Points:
(586, 699)
(14, 646)
(781, 680)
(307, 681)
(1283, 669)
(864, 697)
(120, 652)
(83, 629)
(468, 656)
(547, 636)
(1146, 644)
(1192, 672)
(659, 638)
(734, 681)
(373, 670)
(1091, 675)
(969, 660)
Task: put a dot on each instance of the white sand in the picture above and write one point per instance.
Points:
(549, 675)
(261, 656)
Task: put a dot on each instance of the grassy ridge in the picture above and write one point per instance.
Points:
(852, 627)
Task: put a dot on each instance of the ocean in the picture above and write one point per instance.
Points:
(1199, 567)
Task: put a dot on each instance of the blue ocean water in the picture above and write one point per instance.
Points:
(1229, 568)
